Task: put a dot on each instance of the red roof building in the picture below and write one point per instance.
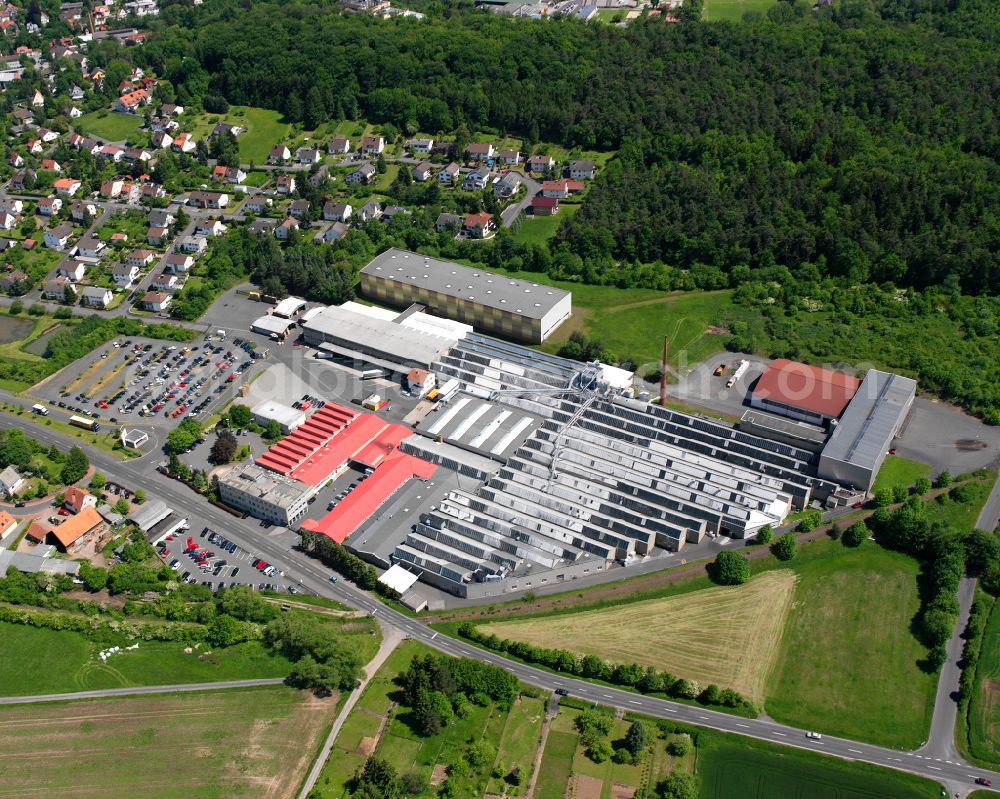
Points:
(804, 392)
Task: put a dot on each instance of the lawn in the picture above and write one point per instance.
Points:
(897, 471)
(960, 515)
(109, 125)
(729, 636)
(38, 661)
(539, 229)
(557, 765)
(733, 10)
(214, 745)
(518, 743)
(848, 663)
(983, 725)
(755, 770)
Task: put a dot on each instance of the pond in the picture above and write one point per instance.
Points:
(13, 329)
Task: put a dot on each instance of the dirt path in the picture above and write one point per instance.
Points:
(536, 765)
(660, 300)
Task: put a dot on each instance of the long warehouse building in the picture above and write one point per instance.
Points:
(496, 304)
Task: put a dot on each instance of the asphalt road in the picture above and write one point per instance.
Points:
(137, 690)
(314, 577)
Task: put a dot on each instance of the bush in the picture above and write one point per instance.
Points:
(730, 568)
(900, 493)
(921, 486)
(834, 532)
(765, 534)
(810, 520)
(856, 534)
(16, 307)
(679, 746)
(943, 480)
(883, 497)
(784, 548)
(600, 751)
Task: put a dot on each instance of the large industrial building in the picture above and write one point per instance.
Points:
(497, 304)
(803, 392)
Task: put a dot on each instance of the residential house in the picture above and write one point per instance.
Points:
(111, 152)
(96, 297)
(171, 109)
(77, 531)
(279, 154)
(478, 226)
(37, 101)
(581, 170)
(507, 186)
(308, 155)
(134, 154)
(161, 139)
(225, 127)
(90, 247)
(544, 206)
(320, 176)
(160, 217)
(509, 157)
(76, 94)
(184, 143)
(59, 289)
(362, 175)
(49, 206)
(339, 145)
(11, 482)
(152, 191)
(540, 163)
(178, 263)
(124, 275)
(229, 174)
(209, 227)
(71, 269)
(155, 301)
(446, 221)
(423, 171)
(82, 210)
(334, 232)
(262, 225)
(194, 244)
(139, 258)
(556, 189)
(390, 212)
(372, 145)
(16, 160)
(7, 221)
(284, 184)
(479, 152)
(208, 199)
(337, 212)
(421, 146)
(59, 236)
(23, 116)
(12, 279)
(112, 188)
(35, 146)
(477, 179)
(284, 231)
(166, 281)
(48, 136)
(12, 205)
(157, 236)
(22, 177)
(67, 187)
(299, 208)
(370, 210)
(449, 174)
(131, 102)
(50, 165)
(258, 204)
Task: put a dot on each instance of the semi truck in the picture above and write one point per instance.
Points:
(741, 369)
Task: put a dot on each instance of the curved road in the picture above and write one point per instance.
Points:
(957, 775)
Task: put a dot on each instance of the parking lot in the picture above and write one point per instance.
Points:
(212, 560)
(136, 381)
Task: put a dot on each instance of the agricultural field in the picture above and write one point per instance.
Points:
(728, 636)
(109, 125)
(747, 769)
(983, 720)
(214, 745)
(848, 663)
(39, 661)
(898, 471)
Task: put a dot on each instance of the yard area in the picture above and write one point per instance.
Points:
(897, 471)
(215, 745)
(723, 635)
(109, 125)
(38, 661)
(539, 229)
(848, 663)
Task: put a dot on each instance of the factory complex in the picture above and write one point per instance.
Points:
(516, 468)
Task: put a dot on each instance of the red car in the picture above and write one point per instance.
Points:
(857, 505)
(984, 781)
(63, 512)
(102, 404)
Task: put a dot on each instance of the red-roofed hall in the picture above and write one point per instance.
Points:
(804, 392)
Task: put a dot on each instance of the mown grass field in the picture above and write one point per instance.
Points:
(214, 745)
(729, 636)
(38, 661)
(539, 229)
(733, 10)
(109, 125)
(984, 704)
(897, 471)
(755, 770)
(848, 663)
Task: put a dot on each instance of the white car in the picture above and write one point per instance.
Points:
(814, 735)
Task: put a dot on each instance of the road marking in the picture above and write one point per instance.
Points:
(703, 718)
(670, 710)
(633, 702)
(744, 726)
(936, 768)
(856, 751)
(607, 696)
(775, 732)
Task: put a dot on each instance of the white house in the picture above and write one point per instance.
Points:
(279, 154)
(209, 227)
(155, 301)
(423, 171)
(449, 173)
(362, 175)
(194, 244)
(178, 262)
(96, 297)
(139, 258)
(372, 145)
(90, 247)
(283, 231)
(124, 275)
(10, 481)
(581, 170)
(59, 236)
(337, 212)
(71, 269)
(421, 146)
